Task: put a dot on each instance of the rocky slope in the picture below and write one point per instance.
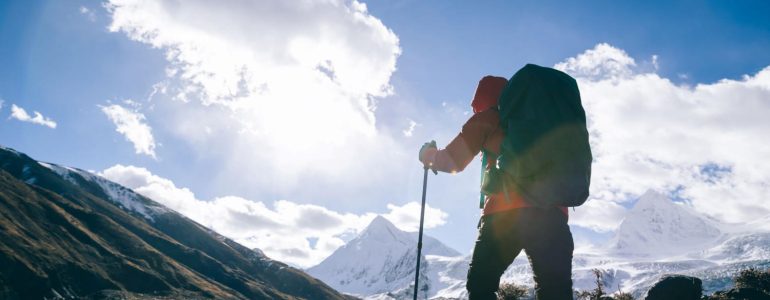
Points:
(68, 234)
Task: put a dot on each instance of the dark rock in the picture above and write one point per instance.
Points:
(676, 287)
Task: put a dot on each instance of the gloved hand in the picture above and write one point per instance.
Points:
(428, 152)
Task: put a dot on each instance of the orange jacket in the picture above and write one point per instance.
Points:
(481, 132)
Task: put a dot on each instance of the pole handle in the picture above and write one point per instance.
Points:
(427, 167)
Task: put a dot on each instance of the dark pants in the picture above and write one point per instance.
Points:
(545, 236)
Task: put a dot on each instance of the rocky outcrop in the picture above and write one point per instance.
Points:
(676, 287)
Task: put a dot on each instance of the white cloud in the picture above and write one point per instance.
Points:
(410, 130)
(20, 114)
(598, 215)
(131, 124)
(296, 80)
(88, 13)
(284, 231)
(407, 217)
(601, 62)
(707, 142)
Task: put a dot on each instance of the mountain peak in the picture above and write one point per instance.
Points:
(380, 259)
(381, 229)
(652, 198)
(380, 221)
(657, 225)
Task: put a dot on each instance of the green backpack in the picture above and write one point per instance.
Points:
(545, 156)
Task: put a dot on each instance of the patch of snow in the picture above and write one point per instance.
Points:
(383, 296)
(17, 153)
(118, 194)
(63, 172)
(27, 176)
(124, 197)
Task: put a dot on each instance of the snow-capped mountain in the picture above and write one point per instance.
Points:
(381, 259)
(657, 236)
(657, 226)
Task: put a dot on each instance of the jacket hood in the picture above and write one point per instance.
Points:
(487, 92)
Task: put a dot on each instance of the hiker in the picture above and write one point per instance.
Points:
(509, 222)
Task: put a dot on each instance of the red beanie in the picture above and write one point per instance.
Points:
(489, 89)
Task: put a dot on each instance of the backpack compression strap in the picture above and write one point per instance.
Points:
(483, 168)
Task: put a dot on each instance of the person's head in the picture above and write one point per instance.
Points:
(487, 92)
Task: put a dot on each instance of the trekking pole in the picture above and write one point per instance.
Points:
(419, 239)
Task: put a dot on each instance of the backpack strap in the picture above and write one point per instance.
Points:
(485, 161)
(483, 172)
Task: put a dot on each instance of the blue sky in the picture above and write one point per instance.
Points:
(78, 62)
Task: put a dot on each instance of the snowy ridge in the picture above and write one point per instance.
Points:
(120, 195)
(124, 197)
(32, 171)
(64, 172)
(447, 276)
(4, 148)
(745, 247)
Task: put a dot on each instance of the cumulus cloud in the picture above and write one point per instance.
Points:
(20, 114)
(407, 217)
(706, 143)
(296, 80)
(301, 234)
(600, 63)
(598, 215)
(131, 124)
